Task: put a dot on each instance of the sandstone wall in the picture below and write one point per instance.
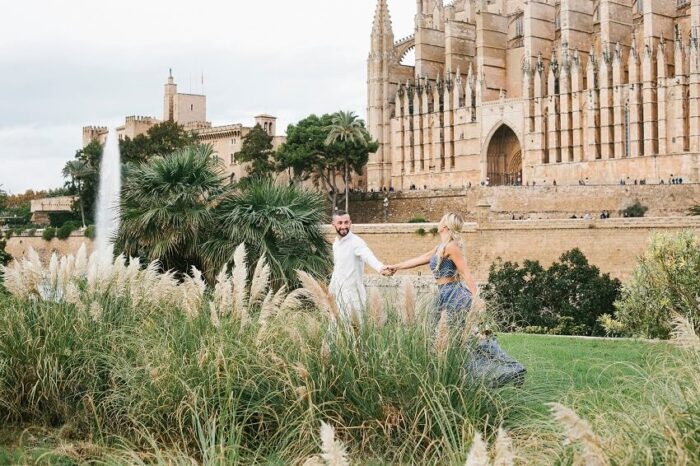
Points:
(539, 202)
(613, 244)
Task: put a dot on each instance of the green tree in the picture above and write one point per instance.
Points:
(282, 222)
(256, 150)
(79, 172)
(160, 140)
(89, 158)
(305, 155)
(346, 128)
(167, 207)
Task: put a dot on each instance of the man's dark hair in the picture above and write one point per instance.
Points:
(339, 213)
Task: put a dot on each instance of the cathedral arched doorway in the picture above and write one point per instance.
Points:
(504, 162)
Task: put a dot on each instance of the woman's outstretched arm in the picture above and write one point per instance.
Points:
(453, 251)
(414, 262)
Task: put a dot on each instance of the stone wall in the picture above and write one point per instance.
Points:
(613, 244)
(539, 202)
(18, 246)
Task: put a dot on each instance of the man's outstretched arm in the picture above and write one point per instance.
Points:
(368, 257)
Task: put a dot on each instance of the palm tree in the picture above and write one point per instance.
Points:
(167, 207)
(281, 222)
(78, 171)
(346, 127)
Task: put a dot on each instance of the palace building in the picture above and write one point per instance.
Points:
(190, 111)
(536, 91)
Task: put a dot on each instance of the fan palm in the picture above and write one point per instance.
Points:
(281, 222)
(78, 171)
(347, 127)
(167, 207)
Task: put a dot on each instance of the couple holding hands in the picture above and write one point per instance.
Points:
(350, 254)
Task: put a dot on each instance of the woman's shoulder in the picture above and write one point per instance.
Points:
(453, 247)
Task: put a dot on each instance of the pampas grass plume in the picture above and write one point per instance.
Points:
(442, 334)
(408, 301)
(503, 449)
(683, 334)
(240, 281)
(478, 455)
(260, 281)
(334, 452)
(319, 294)
(579, 430)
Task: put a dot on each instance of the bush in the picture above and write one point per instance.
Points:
(64, 231)
(49, 233)
(90, 232)
(565, 299)
(31, 232)
(635, 210)
(418, 219)
(666, 281)
(421, 232)
(434, 231)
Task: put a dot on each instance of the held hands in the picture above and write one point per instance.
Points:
(388, 270)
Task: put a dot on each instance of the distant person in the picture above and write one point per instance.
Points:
(350, 254)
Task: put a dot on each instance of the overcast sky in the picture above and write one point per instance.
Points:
(67, 64)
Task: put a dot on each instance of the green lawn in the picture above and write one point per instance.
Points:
(585, 374)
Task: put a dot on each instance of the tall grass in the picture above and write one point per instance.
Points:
(235, 373)
(156, 370)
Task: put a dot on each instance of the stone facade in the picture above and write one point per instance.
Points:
(190, 111)
(536, 91)
(41, 208)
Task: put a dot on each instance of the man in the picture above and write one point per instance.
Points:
(350, 254)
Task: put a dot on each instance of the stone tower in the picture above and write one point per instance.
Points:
(380, 91)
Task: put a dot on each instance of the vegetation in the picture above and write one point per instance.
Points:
(635, 210)
(346, 128)
(418, 219)
(90, 232)
(160, 140)
(694, 210)
(305, 155)
(281, 223)
(83, 174)
(666, 282)
(256, 151)
(166, 207)
(49, 233)
(65, 231)
(565, 299)
(132, 366)
(179, 210)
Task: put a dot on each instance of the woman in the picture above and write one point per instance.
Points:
(456, 287)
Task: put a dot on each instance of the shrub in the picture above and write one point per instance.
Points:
(90, 232)
(418, 219)
(49, 233)
(434, 231)
(694, 210)
(31, 232)
(5, 256)
(565, 299)
(8, 234)
(65, 231)
(421, 231)
(665, 281)
(635, 210)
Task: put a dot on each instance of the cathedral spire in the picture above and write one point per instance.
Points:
(382, 19)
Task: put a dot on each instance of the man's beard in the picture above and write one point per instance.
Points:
(342, 232)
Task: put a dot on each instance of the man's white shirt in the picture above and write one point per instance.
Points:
(350, 254)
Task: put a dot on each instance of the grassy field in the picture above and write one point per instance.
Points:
(587, 374)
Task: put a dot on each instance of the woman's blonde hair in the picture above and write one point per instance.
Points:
(453, 222)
